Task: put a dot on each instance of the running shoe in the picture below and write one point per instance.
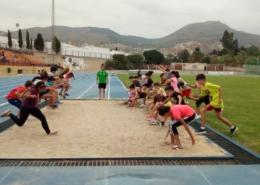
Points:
(58, 103)
(154, 122)
(198, 116)
(30, 118)
(66, 94)
(176, 147)
(142, 105)
(149, 118)
(6, 113)
(201, 131)
(49, 107)
(233, 130)
(55, 107)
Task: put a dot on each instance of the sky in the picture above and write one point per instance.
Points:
(144, 18)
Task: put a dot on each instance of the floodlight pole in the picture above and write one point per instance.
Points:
(53, 28)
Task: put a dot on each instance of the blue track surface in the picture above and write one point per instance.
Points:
(133, 175)
(84, 87)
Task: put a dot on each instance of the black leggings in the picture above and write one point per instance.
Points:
(173, 125)
(33, 111)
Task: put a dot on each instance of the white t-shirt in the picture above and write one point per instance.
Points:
(50, 74)
(36, 81)
(184, 86)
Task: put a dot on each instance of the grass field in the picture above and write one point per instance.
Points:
(241, 106)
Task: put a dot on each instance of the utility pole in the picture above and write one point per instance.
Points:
(53, 28)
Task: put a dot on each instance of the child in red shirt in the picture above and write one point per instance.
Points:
(14, 97)
(181, 115)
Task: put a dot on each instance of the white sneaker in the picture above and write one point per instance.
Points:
(30, 118)
(154, 122)
(142, 105)
(198, 116)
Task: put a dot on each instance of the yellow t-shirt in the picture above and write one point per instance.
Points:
(213, 91)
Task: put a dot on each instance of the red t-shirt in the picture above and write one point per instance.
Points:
(180, 111)
(12, 95)
(67, 77)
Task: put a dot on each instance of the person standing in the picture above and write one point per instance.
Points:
(102, 80)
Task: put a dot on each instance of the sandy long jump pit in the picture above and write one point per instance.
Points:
(97, 129)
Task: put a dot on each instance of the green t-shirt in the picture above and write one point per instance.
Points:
(213, 91)
(102, 76)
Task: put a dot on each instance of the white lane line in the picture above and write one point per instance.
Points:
(86, 90)
(1, 180)
(121, 82)
(4, 104)
(108, 92)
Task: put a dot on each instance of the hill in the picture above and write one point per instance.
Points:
(205, 34)
(90, 35)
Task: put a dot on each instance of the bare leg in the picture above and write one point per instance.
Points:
(203, 117)
(224, 120)
(177, 140)
(99, 93)
(104, 93)
(198, 110)
(172, 138)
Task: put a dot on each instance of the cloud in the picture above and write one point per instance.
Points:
(146, 18)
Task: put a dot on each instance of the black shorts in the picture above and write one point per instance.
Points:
(102, 85)
(43, 93)
(142, 94)
(204, 99)
(175, 123)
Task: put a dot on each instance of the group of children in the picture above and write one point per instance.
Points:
(45, 86)
(169, 101)
(166, 102)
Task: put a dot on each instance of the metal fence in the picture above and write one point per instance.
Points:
(252, 68)
(65, 52)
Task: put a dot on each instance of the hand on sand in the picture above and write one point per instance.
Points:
(53, 133)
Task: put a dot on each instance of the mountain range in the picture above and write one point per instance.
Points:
(208, 32)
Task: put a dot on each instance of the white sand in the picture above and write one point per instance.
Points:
(97, 128)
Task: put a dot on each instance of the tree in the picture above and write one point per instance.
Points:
(27, 40)
(20, 39)
(252, 50)
(56, 44)
(228, 60)
(39, 43)
(136, 60)
(214, 59)
(10, 42)
(31, 44)
(197, 49)
(153, 56)
(206, 60)
(121, 62)
(109, 64)
(183, 56)
(241, 58)
(196, 56)
(167, 61)
(224, 51)
(235, 47)
(227, 40)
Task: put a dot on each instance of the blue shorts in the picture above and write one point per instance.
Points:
(16, 102)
